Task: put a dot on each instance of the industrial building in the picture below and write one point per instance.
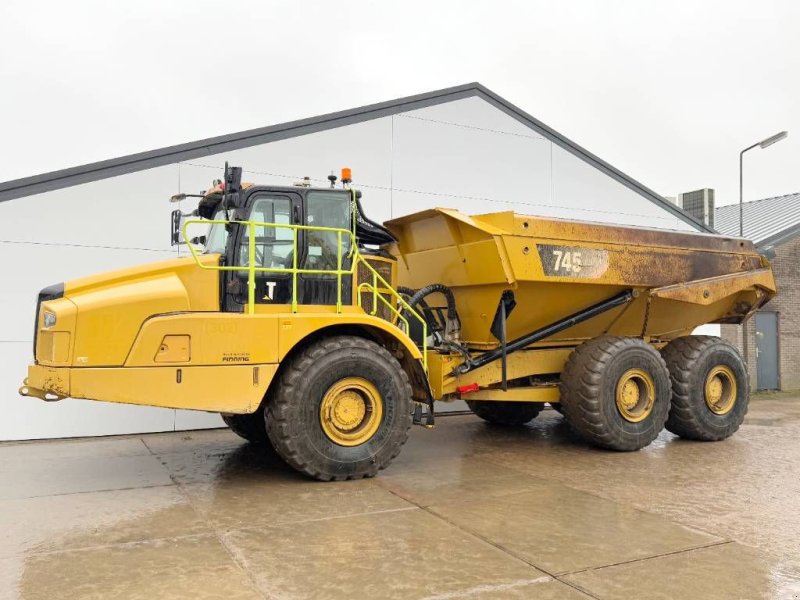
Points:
(463, 147)
(698, 204)
(770, 341)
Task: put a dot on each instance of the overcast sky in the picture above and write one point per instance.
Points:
(668, 92)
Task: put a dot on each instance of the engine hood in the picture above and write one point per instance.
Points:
(110, 308)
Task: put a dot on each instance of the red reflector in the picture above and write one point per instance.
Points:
(466, 389)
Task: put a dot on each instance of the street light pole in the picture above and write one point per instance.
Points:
(765, 143)
(741, 190)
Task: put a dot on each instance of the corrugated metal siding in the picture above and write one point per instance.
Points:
(763, 219)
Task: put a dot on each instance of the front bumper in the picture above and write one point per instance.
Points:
(46, 383)
(235, 389)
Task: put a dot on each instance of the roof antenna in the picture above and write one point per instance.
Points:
(332, 178)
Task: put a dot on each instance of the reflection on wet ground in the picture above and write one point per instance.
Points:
(466, 510)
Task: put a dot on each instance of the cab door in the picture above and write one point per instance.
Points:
(273, 249)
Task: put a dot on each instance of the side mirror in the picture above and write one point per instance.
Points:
(175, 232)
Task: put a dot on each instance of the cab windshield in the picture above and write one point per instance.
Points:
(217, 235)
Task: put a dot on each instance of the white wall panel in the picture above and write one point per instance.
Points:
(130, 211)
(473, 113)
(471, 156)
(473, 169)
(583, 192)
(194, 419)
(366, 148)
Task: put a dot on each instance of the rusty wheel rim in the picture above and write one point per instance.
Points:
(720, 390)
(635, 395)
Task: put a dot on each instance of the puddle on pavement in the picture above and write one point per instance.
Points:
(743, 489)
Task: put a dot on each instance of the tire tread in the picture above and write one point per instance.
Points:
(681, 355)
(277, 409)
(581, 388)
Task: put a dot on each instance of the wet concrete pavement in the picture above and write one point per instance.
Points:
(467, 510)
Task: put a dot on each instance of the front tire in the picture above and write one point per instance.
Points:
(342, 409)
(509, 414)
(710, 388)
(615, 392)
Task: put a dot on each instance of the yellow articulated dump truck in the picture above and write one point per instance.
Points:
(324, 335)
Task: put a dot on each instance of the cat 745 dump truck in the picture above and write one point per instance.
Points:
(323, 335)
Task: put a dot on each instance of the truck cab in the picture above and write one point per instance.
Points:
(275, 246)
(299, 228)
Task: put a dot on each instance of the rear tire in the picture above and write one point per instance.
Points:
(509, 414)
(615, 392)
(250, 427)
(342, 409)
(710, 388)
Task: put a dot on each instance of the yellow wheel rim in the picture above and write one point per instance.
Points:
(635, 395)
(720, 390)
(351, 411)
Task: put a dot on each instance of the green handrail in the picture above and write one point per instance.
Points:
(294, 271)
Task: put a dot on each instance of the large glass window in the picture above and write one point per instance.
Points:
(273, 244)
(331, 210)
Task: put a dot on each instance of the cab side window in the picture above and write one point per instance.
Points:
(273, 245)
(330, 210)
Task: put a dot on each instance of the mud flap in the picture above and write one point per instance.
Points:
(424, 417)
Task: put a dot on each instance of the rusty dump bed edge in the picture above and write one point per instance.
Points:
(557, 267)
(507, 223)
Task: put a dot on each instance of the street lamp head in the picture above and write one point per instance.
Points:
(773, 139)
(766, 143)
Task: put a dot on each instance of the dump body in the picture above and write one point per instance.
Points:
(557, 267)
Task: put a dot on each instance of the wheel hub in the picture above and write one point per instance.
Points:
(351, 411)
(720, 390)
(630, 395)
(348, 410)
(635, 395)
(715, 390)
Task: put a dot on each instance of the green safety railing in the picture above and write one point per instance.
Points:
(377, 287)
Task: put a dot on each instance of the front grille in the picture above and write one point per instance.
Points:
(383, 268)
(51, 292)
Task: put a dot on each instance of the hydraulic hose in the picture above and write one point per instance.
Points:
(406, 291)
(418, 297)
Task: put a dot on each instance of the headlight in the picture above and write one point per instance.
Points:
(49, 319)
